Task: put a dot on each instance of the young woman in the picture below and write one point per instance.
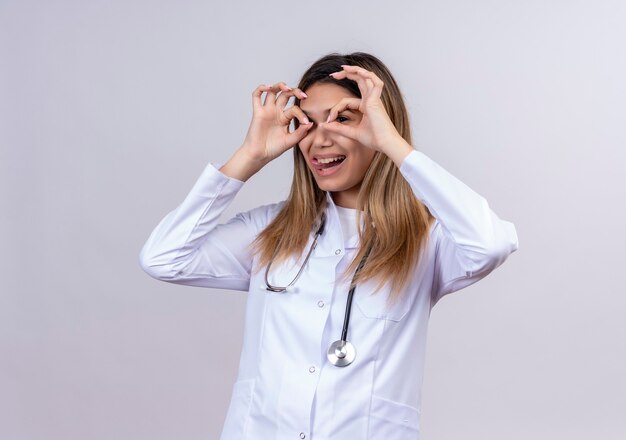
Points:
(342, 275)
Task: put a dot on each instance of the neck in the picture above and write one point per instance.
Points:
(345, 199)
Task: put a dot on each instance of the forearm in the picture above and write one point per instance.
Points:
(174, 242)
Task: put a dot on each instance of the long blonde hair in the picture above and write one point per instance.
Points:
(400, 221)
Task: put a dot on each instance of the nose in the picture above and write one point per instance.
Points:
(321, 137)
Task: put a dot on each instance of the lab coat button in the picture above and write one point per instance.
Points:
(320, 303)
(302, 435)
(338, 251)
(312, 369)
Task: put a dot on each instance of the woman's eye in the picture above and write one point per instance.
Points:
(342, 117)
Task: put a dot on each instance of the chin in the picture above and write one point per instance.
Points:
(330, 187)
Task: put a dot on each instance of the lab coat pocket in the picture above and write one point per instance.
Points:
(390, 420)
(237, 415)
(374, 306)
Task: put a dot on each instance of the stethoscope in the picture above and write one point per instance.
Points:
(341, 352)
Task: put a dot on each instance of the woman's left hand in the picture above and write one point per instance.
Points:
(375, 129)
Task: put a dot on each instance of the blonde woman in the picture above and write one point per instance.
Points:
(342, 275)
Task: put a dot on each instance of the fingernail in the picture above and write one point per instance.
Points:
(289, 88)
(328, 119)
(306, 120)
(305, 95)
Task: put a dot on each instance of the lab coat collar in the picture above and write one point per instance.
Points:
(333, 234)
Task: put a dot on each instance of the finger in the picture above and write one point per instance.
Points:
(343, 104)
(287, 93)
(343, 130)
(363, 72)
(376, 88)
(368, 82)
(298, 134)
(256, 95)
(296, 112)
(370, 88)
(354, 77)
(373, 91)
(270, 98)
(299, 114)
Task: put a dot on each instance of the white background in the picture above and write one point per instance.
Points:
(109, 111)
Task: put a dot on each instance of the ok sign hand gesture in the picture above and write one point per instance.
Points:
(375, 129)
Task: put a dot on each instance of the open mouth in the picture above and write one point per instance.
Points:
(329, 162)
(328, 166)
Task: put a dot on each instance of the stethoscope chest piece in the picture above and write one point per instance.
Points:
(341, 353)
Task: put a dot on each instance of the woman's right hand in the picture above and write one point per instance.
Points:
(268, 135)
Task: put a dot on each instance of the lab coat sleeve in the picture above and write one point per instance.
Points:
(189, 245)
(471, 240)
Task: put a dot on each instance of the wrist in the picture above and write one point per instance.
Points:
(242, 165)
(397, 149)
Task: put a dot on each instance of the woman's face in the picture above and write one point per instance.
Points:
(342, 180)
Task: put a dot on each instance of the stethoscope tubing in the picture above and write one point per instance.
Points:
(320, 230)
(341, 352)
(346, 319)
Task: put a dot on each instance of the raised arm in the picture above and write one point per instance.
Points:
(471, 240)
(189, 246)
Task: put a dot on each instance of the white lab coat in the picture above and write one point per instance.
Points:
(286, 389)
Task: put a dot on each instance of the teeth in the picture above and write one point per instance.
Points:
(330, 159)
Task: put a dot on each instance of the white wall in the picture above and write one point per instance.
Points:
(110, 110)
